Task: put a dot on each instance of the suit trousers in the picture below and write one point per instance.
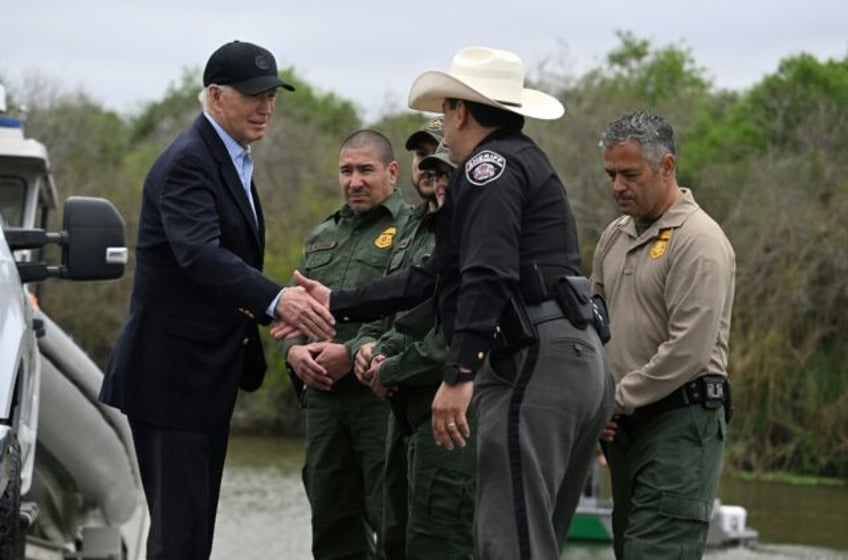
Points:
(181, 473)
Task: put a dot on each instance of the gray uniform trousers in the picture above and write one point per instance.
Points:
(541, 412)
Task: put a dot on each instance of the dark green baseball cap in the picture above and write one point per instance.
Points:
(432, 129)
(441, 155)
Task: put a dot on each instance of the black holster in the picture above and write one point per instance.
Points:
(580, 307)
(572, 294)
(515, 330)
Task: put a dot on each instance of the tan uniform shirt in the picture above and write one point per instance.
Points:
(670, 294)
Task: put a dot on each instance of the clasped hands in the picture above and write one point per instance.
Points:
(449, 419)
(367, 366)
(304, 309)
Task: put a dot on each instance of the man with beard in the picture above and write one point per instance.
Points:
(429, 493)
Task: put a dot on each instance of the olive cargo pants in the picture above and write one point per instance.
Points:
(429, 493)
(343, 470)
(665, 475)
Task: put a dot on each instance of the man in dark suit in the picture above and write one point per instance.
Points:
(191, 339)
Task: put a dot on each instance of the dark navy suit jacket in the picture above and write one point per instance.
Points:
(191, 338)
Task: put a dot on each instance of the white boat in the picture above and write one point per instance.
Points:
(593, 519)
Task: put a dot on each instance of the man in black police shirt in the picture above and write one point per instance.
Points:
(505, 243)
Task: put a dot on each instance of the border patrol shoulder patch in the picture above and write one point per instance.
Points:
(484, 167)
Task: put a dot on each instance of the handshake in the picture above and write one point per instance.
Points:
(304, 309)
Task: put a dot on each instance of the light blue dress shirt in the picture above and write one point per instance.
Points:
(241, 160)
(244, 167)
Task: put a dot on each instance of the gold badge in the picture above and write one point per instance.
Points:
(661, 244)
(385, 238)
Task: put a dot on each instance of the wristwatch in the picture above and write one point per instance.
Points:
(454, 374)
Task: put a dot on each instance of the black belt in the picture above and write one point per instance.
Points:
(544, 311)
(711, 391)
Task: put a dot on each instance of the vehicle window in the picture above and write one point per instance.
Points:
(12, 200)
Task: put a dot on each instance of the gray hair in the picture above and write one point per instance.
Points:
(653, 134)
(203, 96)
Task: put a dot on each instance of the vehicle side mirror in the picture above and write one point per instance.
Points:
(92, 241)
(95, 246)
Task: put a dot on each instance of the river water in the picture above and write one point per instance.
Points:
(263, 513)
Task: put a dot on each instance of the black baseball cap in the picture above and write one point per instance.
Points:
(432, 129)
(247, 67)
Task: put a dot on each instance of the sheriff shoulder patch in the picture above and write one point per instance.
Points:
(385, 238)
(485, 167)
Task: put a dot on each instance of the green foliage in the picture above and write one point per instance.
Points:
(770, 160)
(162, 119)
(329, 113)
(767, 163)
(649, 77)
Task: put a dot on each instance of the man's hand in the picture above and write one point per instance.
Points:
(609, 432)
(376, 385)
(281, 330)
(362, 361)
(449, 422)
(314, 288)
(373, 374)
(335, 360)
(300, 310)
(301, 358)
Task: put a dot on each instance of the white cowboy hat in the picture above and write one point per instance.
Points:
(487, 76)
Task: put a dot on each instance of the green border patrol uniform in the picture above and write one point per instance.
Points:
(346, 426)
(670, 293)
(429, 493)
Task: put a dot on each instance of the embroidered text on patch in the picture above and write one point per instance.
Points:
(485, 167)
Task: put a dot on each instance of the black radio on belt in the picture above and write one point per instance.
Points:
(710, 391)
(582, 309)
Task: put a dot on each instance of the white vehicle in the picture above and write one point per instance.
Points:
(68, 481)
